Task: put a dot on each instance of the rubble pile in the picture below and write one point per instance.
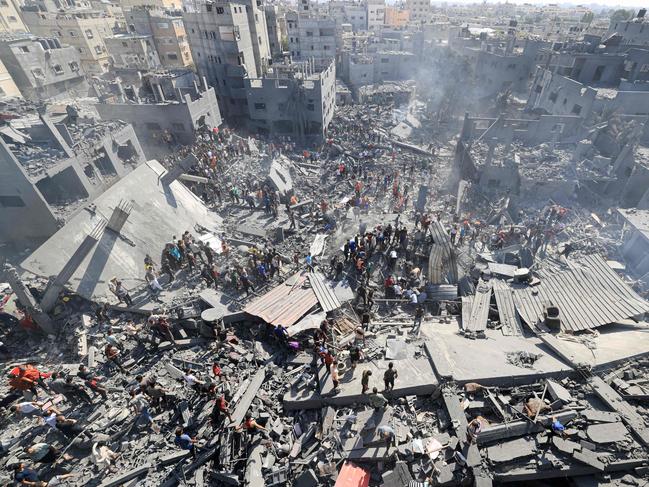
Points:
(335, 311)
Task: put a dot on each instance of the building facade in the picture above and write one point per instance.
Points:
(167, 30)
(229, 42)
(10, 21)
(84, 29)
(375, 14)
(8, 88)
(42, 69)
(132, 51)
(311, 38)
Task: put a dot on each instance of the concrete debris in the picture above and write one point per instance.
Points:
(406, 294)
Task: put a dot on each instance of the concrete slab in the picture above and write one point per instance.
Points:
(485, 361)
(616, 343)
(159, 212)
(416, 377)
(607, 433)
(508, 451)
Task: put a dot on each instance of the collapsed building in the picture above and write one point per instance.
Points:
(385, 295)
(165, 108)
(53, 162)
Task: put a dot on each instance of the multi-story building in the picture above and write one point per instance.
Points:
(162, 4)
(10, 20)
(132, 51)
(173, 110)
(311, 38)
(634, 32)
(420, 10)
(298, 100)
(349, 12)
(274, 30)
(167, 30)
(8, 88)
(229, 42)
(41, 68)
(83, 28)
(375, 14)
(396, 17)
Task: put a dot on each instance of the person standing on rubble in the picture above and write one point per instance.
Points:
(185, 442)
(221, 408)
(389, 377)
(118, 289)
(377, 400)
(419, 315)
(309, 262)
(335, 377)
(140, 407)
(365, 381)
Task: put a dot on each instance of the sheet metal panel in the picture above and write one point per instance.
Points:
(480, 307)
(588, 296)
(285, 304)
(323, 291)
(442, 256)
(506, 309)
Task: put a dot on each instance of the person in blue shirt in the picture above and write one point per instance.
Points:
(309, 263)
(27, 476)
(557, 427)
(185, 442)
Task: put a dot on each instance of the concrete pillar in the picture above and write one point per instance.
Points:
(119, 216)
(56, 286)
(120, 88)
(28, 301)
(161, 95)
(205, 86)
(178, 169)
(60, 141)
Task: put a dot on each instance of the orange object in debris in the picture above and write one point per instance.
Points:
(351, 475)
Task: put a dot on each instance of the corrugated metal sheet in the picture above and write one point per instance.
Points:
(588, 296)
(479, 307)
(323, 291)
(466, 310)
(286, 303)
(442, 263)
(351, 475)
(441, 292)
(509, 319)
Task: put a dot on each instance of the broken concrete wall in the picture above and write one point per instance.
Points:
(151, 121)
(24, 213)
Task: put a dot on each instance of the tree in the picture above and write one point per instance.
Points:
(621, 14)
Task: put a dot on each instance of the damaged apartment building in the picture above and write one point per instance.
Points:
(595, 77)
(231, 50)
(53, 163)
(164, 107)
(42, 68)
